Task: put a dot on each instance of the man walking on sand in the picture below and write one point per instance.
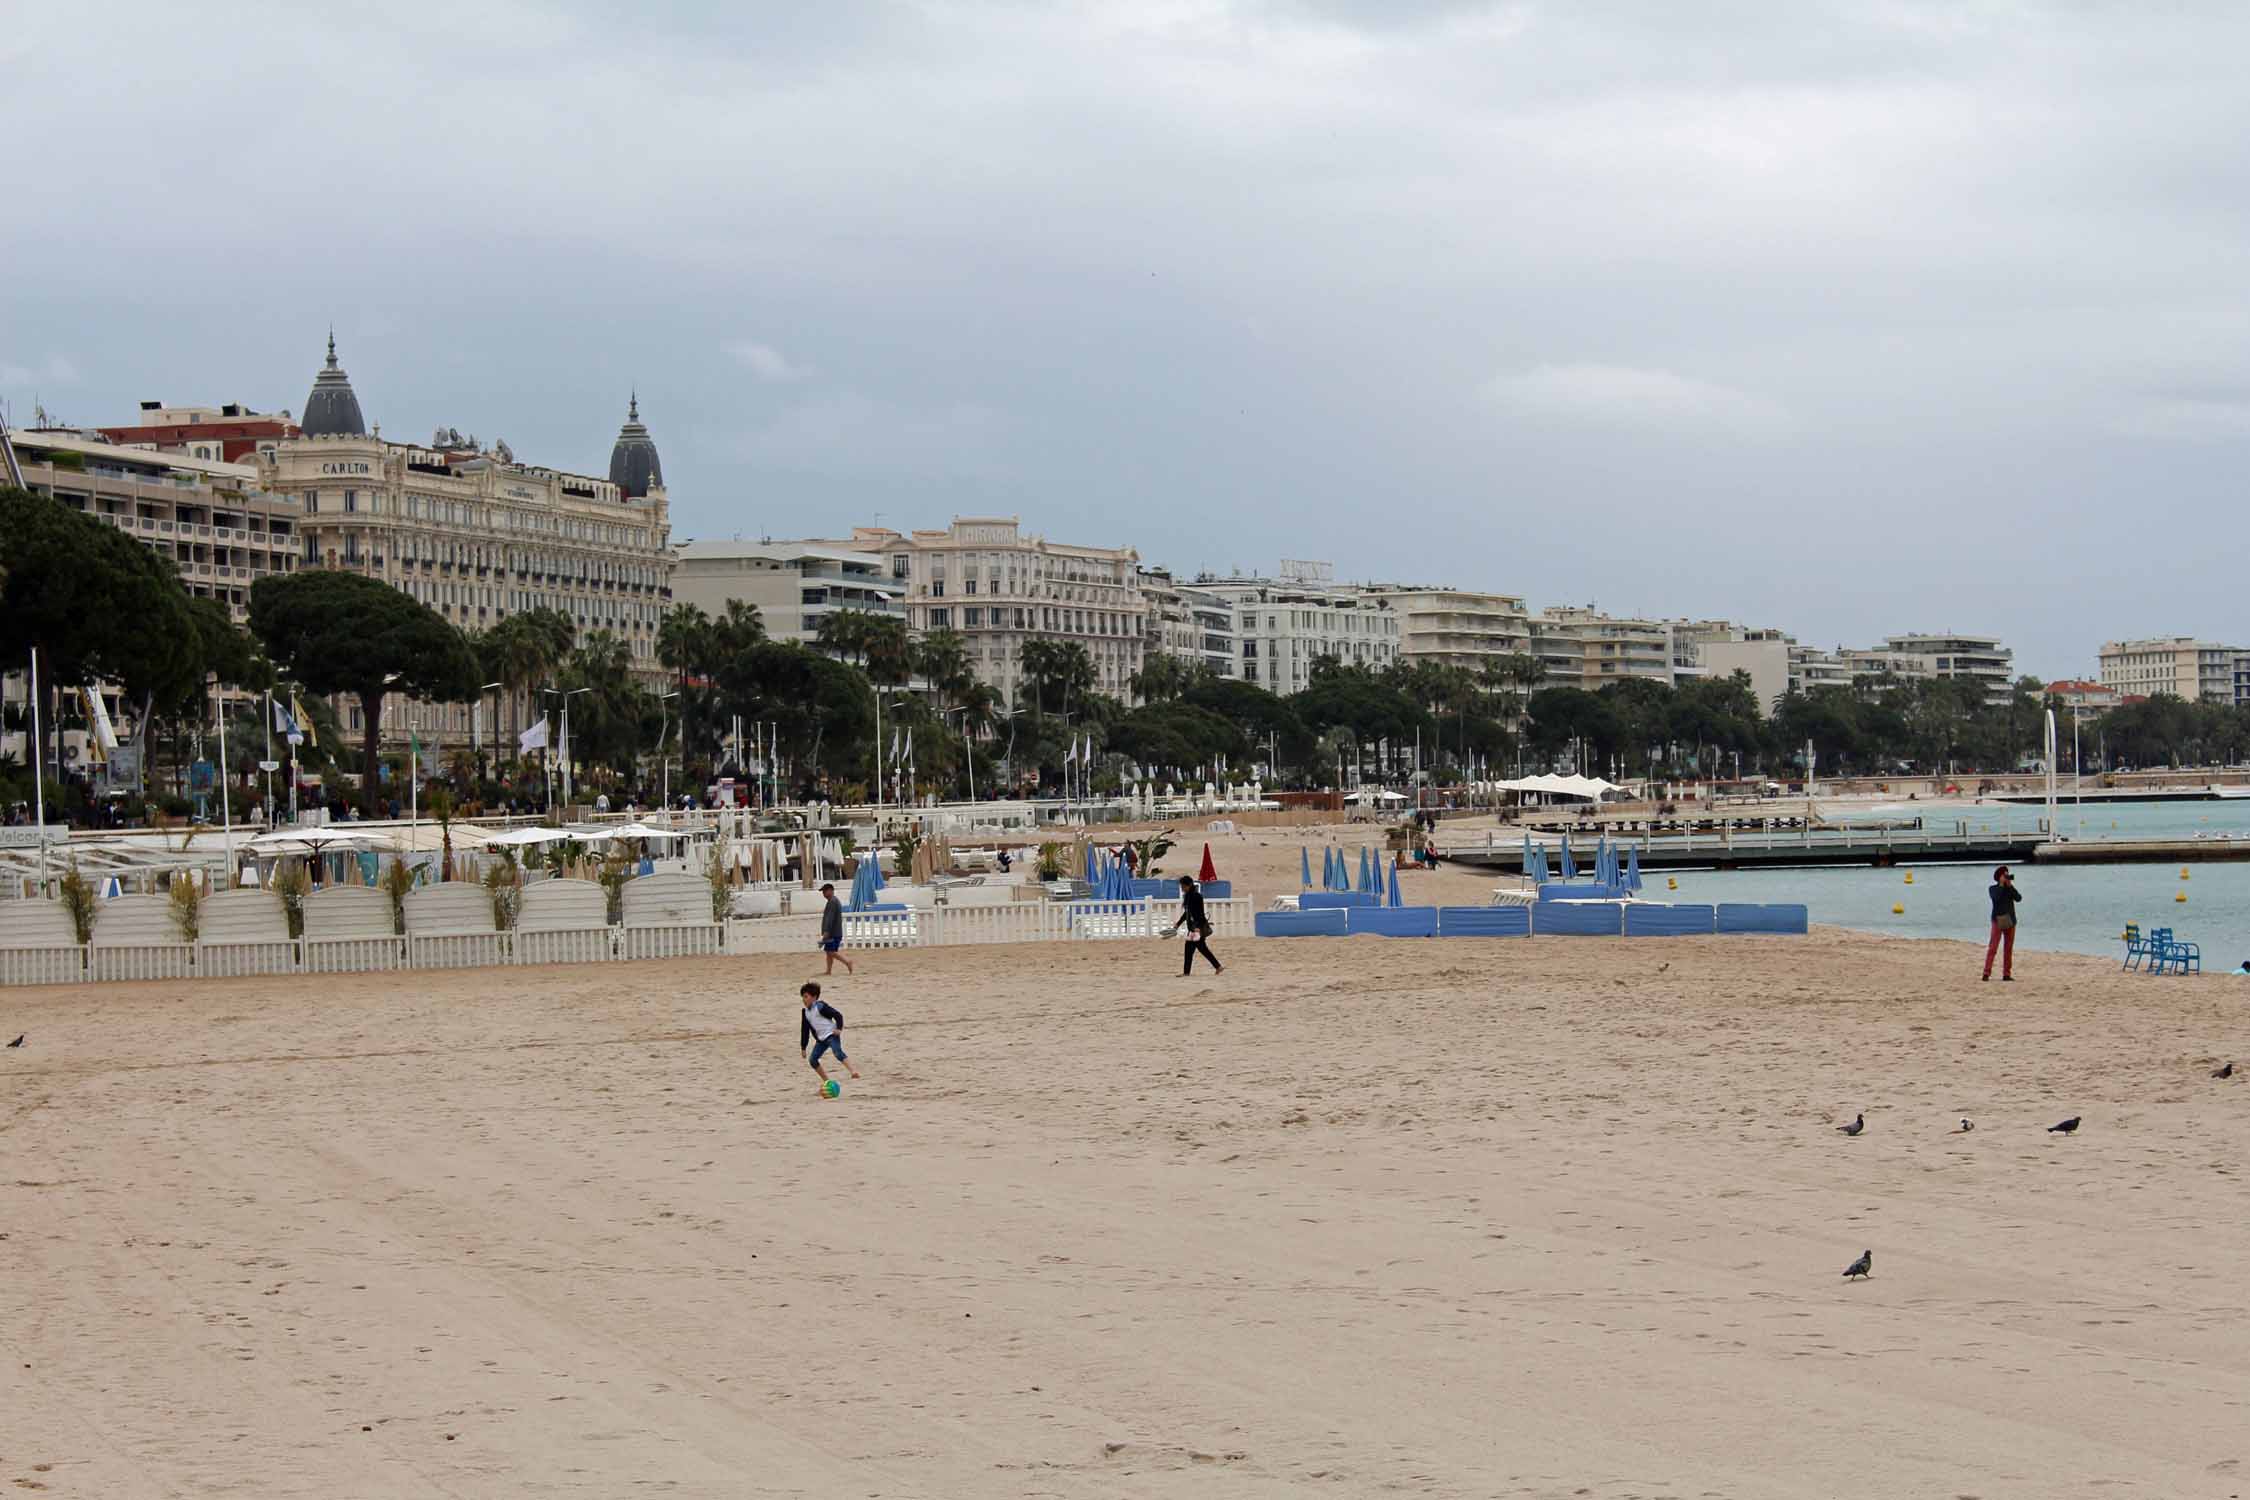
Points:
(832, 931)
(822, 1028)
(2004, 898)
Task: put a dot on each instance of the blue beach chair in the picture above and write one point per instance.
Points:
(2136, 946)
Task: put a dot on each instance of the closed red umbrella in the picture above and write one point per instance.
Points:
(1210, 871)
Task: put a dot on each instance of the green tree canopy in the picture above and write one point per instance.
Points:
(97, 604)
(339, 632)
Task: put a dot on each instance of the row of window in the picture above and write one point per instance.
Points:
(465, 513)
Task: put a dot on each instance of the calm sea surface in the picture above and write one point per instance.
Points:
(2076, 908)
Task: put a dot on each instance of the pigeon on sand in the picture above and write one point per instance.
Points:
(1859, 1123)
(1864, 1266)
(2065, 1128)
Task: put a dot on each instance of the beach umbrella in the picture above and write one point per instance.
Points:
(1304, 869)
(1633, 869)
(1569, 866)
(874, 868)
(1359, 881)
(1210, 871)
(1539, 875)
(863, 891)
(1527, 872)
(1394, 885)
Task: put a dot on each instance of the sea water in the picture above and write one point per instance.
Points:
(2078, 908)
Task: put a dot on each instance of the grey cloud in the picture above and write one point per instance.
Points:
(1417, 286)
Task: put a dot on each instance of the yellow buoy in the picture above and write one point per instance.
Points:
(2182, 896)
(1909, 877)
(1898, 909)
(1672, 884)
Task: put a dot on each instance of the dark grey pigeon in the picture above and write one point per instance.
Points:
(1864, 1266)
(1966, 1127)
(2225, 1072)
(18, 1042)
(2066, 1127)
(1859, 1123)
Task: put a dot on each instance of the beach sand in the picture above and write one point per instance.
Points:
(1359, 1217)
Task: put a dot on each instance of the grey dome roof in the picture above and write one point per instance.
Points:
(332, 410)
(633, 465)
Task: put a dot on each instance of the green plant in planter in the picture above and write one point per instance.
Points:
(1146, 852)
(187, 906)
(396, 882)
(78, 899)
(503, 882)
(719, 872)
(440, 806)
(293, 883)
(904, 848)
(1050, 860)
(617, 869)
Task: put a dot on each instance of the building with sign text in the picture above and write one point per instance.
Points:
(476, 535)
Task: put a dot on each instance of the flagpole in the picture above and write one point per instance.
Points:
(38, 768)
(226, 807)
(268, 758)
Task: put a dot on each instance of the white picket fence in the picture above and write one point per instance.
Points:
(350, 930)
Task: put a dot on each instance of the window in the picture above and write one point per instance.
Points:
(312, 502)
(351, 501)
(969, 584)
(941, 619)
(972, 618)
(937, 588)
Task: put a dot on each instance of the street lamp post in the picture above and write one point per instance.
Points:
(476, 719)
(562, 743)
(663, 756)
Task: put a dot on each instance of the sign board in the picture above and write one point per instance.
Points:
(27, 837)
(269, 766)
(201, 778)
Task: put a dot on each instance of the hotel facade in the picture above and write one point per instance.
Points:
(1001, 588)
(476, 535)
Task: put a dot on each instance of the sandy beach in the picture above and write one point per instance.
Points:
(1359, 1217)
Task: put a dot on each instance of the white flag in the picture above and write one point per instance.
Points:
(562, 740)
(1088, 756)
(534, 738)
(1070, 756)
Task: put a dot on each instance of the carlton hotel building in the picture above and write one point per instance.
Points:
(477, 536)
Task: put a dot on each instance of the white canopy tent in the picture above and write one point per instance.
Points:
(1587, 788)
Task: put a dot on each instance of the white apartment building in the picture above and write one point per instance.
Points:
(1456, 627)
(474, 534)
(1283, 625)
(1000, 587)
(2199, 671)
(1189, 622)
(1583, 648)
(793, 585)
(1691, 638)
(1975, 658)
(216, 522)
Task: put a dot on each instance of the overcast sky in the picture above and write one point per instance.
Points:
(1843, 317)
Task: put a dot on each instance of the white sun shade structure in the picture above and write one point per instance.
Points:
(639, 831)
(518, 837)
(319, 840)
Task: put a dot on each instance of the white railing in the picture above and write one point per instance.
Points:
(932, 927)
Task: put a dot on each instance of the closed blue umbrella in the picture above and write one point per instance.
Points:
(1527, 874)
(1569, 866)
(1394, 885)
(1540, 875)
(1633, 868)
(1304, 869)
(1366, 876)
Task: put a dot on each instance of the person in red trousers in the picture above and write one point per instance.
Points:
(2003, 941)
